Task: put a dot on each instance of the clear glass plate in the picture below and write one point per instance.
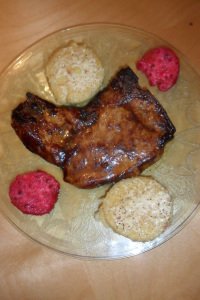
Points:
(71, 227)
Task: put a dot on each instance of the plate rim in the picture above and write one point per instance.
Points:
(93, 26)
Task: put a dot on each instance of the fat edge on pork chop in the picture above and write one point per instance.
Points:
(122, 131)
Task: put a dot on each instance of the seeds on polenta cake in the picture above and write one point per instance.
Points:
(74, 73)
(139, 208)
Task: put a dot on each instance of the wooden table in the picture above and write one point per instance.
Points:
(31, 271)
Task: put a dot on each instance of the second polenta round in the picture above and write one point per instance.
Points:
(139, 208)
(74, 73)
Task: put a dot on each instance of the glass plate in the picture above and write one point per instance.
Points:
(71, 227)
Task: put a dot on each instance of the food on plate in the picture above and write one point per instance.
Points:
(74, 73)
(139, 208)
(34, 192)
(122, 131)
(161, 66)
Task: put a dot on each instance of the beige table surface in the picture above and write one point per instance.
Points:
(29, 270)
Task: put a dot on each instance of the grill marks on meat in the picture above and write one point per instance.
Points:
(122, 131)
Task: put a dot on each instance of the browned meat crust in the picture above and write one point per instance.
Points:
(122, 131)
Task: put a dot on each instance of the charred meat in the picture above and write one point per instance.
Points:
(122, 131)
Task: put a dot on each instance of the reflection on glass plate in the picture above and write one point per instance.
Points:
(71, 227)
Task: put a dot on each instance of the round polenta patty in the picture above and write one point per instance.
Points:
(139, 208)
(74, 73)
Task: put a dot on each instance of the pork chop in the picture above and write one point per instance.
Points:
(122, 131)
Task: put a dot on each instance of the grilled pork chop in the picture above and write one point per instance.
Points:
(122, 131)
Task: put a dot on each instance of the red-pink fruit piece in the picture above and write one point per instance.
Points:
(161, 66)
(34, 192)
